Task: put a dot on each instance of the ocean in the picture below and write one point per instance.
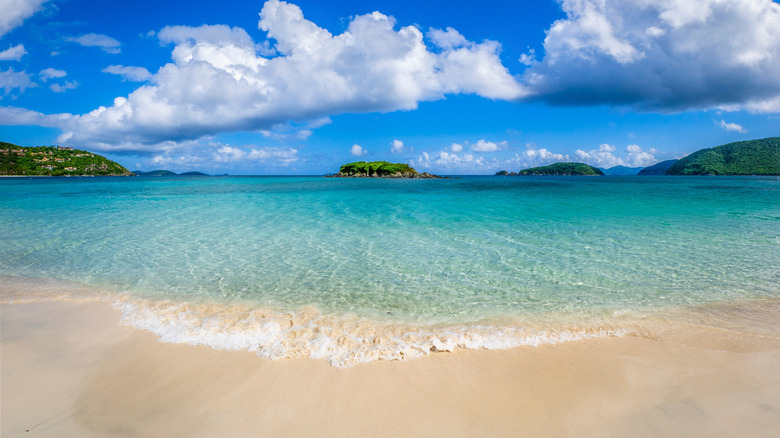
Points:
(358, 270)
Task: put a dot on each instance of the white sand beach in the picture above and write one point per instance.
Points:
(69, 369)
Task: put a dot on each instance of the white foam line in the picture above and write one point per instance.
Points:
(341, 341)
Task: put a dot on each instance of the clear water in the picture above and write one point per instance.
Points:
(411, 254)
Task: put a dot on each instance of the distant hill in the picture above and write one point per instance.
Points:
(167, 173)
(155, 173)
(55, 161)
(752, 157)
(657, 169)
(621, 170)
(562, 169)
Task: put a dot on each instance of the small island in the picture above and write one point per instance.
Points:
(562, 169)
(55, 161)
(379, 169)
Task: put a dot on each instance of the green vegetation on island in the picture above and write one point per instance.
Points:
(379, 169)
(560, 169)
(55, 161)
(752, 157)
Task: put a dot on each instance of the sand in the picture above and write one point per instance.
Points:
(69, 369)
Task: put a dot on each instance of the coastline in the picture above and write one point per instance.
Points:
(69, 368)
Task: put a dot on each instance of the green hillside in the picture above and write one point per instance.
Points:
(562, 169)
(54, 161)
(752, 157)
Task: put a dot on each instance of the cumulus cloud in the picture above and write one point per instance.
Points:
(15, 12)
(357, 150)
(49, 73)
(467, 67)
(104, 42)
(538, 157)
(229, 154)
(11, 80)
(488, 146)
(731, 126)
(219, 79)
(456, 147)
(662, 55)
(129, 73)
(604, 156)
(397, 147)
(13, 53)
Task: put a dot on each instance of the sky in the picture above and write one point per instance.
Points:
(451, 87)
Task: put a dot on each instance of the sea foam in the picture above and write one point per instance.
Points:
(342, 341)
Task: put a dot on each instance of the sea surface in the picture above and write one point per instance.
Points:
(357, 270)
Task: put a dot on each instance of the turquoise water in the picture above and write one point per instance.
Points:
(499, 253)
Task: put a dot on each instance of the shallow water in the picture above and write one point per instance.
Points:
(342, 269)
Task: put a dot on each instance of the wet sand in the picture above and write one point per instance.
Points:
(69, 369)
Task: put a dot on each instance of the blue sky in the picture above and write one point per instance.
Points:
(452, 87)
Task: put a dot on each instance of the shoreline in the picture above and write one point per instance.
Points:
(70, 368)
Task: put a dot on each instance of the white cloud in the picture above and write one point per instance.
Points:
(170, 162)
(446, 162)
(11, 80)
(105, 42)
(456, 147)
(451, 162)
(539, 157)
(448, 38)
(216, 156)
(529, 58)
(599, 158)
(229, 154)
(14, 12)
(283, 134)
(397, 147)
(53, 73)
(218, 80)
(667, 55)
(284, 156)
(13, 53)
(49, 73)
(731, 126)
(61, 88)
(357, 150)
(467, 67)
(488, 146)
(129, 73)
(604, 156)
(638, 158)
